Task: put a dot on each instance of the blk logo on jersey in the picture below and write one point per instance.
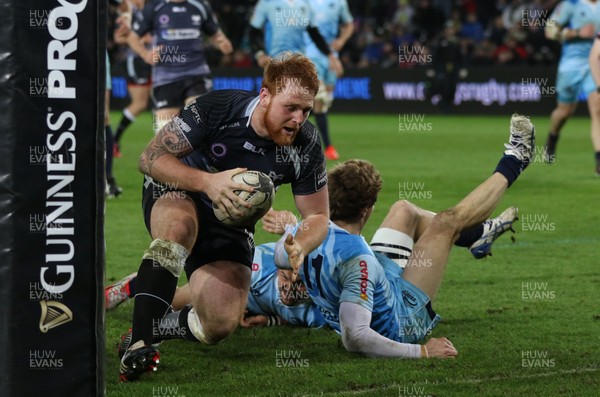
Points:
(253, 148)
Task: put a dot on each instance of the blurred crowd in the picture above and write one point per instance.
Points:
(488, 32)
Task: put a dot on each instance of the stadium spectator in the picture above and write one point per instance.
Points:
(483, 54)
(380, 308)
(180, 70)
(496, 31)
(336, 26)
(403, 15)
(575, 24)
(512, 14)
(188, 168)
(511, 52)
(471, 29)
(428, 20)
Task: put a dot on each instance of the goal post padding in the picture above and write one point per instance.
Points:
(52, 65)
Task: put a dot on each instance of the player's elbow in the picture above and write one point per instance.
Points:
(352, 341)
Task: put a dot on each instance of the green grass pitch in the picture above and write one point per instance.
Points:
(526, 321)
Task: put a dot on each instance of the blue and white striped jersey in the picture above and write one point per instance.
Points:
(344, 269)
(264, 293)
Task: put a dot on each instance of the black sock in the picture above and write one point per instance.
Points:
(108, 136)
(155, 290)
(552, 140)
(511, 168)
(123, 124)
(175, 326)
(597, 154)
(133, 287)
(321, 119)
(469, 236)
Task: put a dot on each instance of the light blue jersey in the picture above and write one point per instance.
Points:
(329, 15)
(264, 294)
(574, 14)
(288, 21)
(345, 269)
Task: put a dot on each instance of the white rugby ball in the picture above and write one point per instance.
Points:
(261, 199)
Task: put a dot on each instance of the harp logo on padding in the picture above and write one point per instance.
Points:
(53, 315)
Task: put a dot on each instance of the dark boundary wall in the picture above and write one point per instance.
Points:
(51, 197)
(486, 90)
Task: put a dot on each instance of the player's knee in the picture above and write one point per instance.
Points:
(182, 231)
(404, 208)
(220, 328)
(446, 221)
(167, 254)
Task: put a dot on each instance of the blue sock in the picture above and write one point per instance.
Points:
(468, 236)
(510, 167)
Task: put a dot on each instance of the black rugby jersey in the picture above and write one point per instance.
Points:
(177, 29)
(217, 126)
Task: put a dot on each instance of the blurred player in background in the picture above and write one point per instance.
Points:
(188, 166)
(138, 77)
(121, 30)
(335, 24)
(381, 303)
(287, 22)
(448, 66)
(575, 24)
(180, 70)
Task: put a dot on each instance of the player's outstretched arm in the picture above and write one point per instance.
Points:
(314, 209)
(276, 221)
(358, 337)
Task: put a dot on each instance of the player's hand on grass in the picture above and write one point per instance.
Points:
(440, 348)
(275, 221)
(254, 321)
(295, 255)
(220, 189)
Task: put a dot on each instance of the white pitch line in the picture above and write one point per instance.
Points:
(592, 368)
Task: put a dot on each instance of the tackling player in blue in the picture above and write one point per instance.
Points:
(574, 23)
(380, 307)
(273, 298)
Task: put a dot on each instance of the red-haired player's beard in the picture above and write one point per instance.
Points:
(282, 135)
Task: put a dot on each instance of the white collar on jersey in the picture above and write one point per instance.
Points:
(250, 109)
